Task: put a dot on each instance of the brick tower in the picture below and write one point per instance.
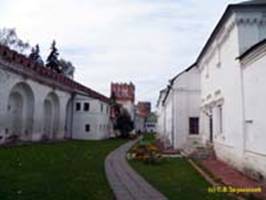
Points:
(125, 95)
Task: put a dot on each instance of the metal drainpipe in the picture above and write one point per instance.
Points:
(72, 114)
(173, 119)
(243, 109)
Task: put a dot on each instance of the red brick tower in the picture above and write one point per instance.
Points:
(124, 95)
(123, 91)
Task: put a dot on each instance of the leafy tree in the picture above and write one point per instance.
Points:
(124, 123)
(67, 68)
(8, 37)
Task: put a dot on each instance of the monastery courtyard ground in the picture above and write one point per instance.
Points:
(71, 170)
(75, 170)
(177, 179)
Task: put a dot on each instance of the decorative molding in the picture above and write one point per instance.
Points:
(221, 37)
(250, 21)
(4, 76)
(185, 90)
(255, 153)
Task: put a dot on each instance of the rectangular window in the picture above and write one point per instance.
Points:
(78, 106)
(220, 116)
(194, 125)
(86, 106)
(87, 128)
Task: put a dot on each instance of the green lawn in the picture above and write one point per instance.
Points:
(71, 170)
(148, 138)
(176, 179)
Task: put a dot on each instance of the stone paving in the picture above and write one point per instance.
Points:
(232, 177)
(124, 181)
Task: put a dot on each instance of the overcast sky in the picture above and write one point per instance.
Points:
(143, 41)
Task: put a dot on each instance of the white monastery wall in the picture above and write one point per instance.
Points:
(34, 107)
(186, 91)
(30, 97)
(220, 87)
(254, 84)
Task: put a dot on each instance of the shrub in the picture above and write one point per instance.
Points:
(12, 139)
(44, 138)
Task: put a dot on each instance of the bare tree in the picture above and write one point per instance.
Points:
(8, 37)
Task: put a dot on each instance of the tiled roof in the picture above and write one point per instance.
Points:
(27, 64)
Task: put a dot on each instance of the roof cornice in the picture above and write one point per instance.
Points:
(227, 13)
(27, 66)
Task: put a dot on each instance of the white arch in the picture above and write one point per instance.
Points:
(20, 110)
(51, 110)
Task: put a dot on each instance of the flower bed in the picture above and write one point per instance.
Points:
(146, 152)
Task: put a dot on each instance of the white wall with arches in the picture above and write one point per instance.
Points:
(30, 109)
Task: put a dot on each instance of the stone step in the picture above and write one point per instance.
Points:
(202, 153)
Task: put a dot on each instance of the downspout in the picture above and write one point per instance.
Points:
(72, 115)
(173, 119)
(243, 109)
(164, 120)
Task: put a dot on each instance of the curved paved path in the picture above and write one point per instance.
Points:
(124, 181)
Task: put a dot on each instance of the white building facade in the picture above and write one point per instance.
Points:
(232, 89)
(139, 123)
(90, 118)
(178, 109)
(160, 112)
(38, 103)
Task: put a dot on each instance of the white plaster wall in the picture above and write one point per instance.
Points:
(254, 83)
(160, 112)
(139, 123)
(8, 81)
(168, 126)
(186, 91)
(160, 120)
(97, 119)
(221, 84)
(255, 109)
